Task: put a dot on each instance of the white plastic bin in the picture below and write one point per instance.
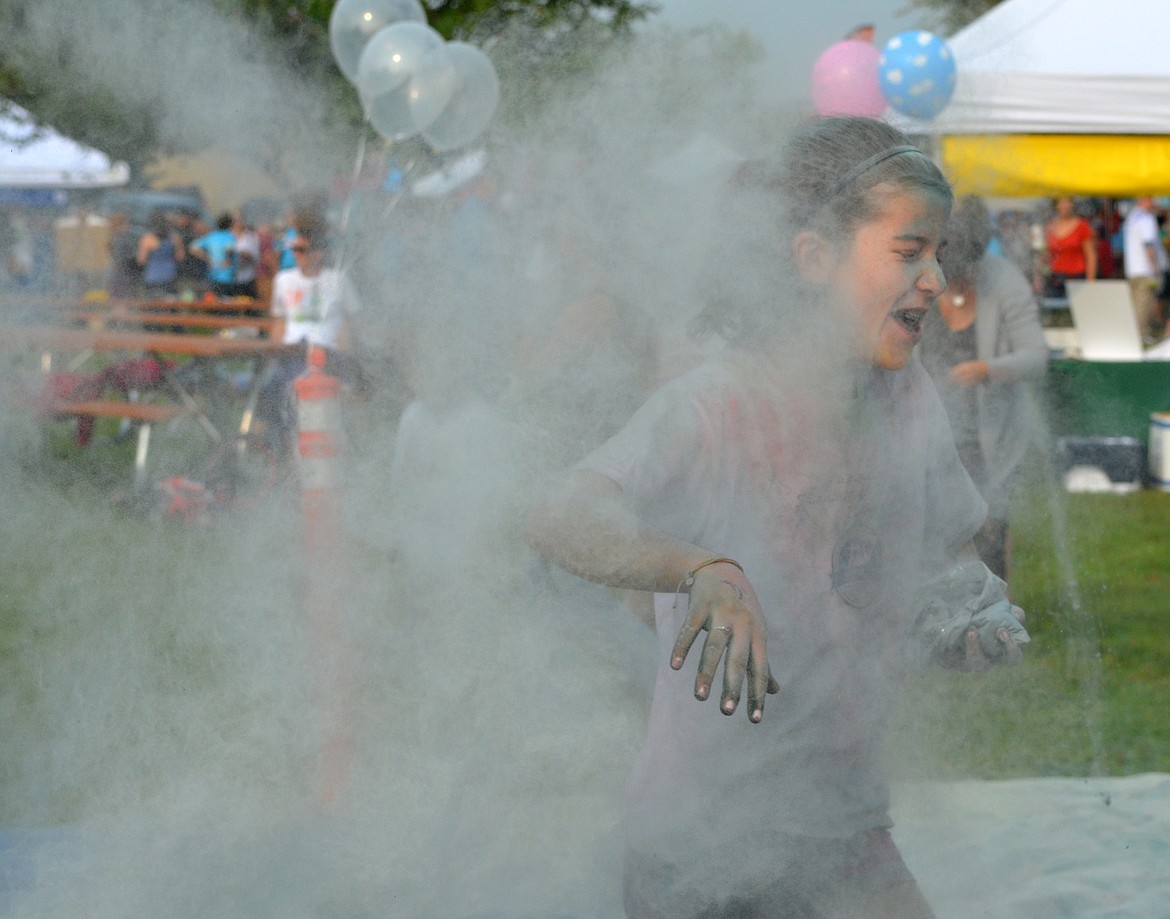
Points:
(1160, 450)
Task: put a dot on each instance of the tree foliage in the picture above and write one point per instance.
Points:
(948, 16)
(50, 64)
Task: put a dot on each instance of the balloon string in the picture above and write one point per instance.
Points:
(344, 223)
(407, 169)
(358, 250)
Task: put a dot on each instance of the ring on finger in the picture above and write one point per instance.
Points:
(722, 628)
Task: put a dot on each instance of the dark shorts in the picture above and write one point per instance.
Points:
(816, 879)
(1055, 287)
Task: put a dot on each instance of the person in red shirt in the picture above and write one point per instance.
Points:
(1072, 249)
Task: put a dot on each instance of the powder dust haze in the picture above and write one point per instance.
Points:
(172, 718)
(165, 700)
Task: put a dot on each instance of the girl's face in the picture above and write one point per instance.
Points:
(888, 275)
(1064, 207)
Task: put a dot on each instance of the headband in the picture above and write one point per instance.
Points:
(864, 166)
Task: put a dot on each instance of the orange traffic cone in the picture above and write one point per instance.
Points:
(318, 433)
(319, 455)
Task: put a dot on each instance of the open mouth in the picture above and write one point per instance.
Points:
(910, 319)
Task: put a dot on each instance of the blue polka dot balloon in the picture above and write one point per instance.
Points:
(916, 72)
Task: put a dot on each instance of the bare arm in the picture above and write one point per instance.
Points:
(147, 243)
(1090, 248)
(198, 251)
(587, 528)
(1152, 256)
(1026, 356)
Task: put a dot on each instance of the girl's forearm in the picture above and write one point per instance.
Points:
(586, 528)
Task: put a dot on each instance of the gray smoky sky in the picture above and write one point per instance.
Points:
(211, 81)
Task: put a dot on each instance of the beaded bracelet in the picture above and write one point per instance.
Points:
(689, 581)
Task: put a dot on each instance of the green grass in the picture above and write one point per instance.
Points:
(1092, 574)
(109, 623)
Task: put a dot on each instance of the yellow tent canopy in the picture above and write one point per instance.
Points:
(227, 180)
(1051, 165)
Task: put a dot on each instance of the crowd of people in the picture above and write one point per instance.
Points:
(177, 252)
(179, 255)
(1088, 239)
(279, 268)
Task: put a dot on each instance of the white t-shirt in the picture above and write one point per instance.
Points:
(1140, 230)
(314, 309)
(835, 520)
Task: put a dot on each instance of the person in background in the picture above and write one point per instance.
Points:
(1105, 224)
(980, 347)
(18, 258)
(43, 279)
(266, 268)
(283, 242)
(587, 359)
(125, 274)
(306, 207)
(192, 269)
(218, 250)
(247, 249)
(1145, 261)
(788, 499)
(1072, 249)
(160, 250)
(1012, 230)
(316, 304)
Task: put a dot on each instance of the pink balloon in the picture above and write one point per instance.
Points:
(845, 80)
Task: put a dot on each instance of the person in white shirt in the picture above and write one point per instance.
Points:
(1146, 263)
(317, 304)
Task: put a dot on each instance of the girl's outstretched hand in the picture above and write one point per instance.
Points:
(724, 605)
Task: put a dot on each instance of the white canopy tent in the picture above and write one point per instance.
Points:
(1059, 96)
(36, 156)
(1062, 67)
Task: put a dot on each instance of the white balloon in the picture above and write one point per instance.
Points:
(473, 102)
(431, 88)
(390, 116)
(393, 56)
(386, 66)
(354, 22)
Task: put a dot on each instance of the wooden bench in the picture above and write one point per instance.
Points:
(144, 413)
(137, 317)
(44, 309)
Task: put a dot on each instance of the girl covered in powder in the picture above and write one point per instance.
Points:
(790, 499)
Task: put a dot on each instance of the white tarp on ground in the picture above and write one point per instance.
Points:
(1040, 848)
(1060, 67)
(36, 156)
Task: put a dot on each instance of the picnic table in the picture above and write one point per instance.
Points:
(150, 319)
(47, 307)
(18, 337)
(174, 336)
